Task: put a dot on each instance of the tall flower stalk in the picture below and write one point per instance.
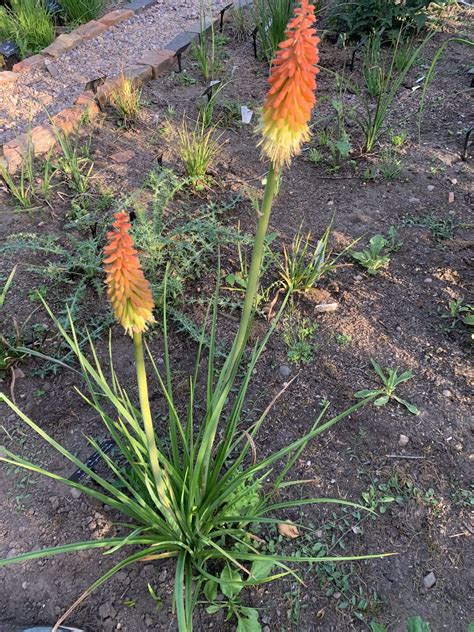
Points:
(284, 127)
(130, 295)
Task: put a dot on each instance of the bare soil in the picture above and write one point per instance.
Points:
(394, 317)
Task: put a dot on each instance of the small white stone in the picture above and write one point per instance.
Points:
(430, 187)
(284, 370)
(326, 307)
(447, 393)
(403, 440)
(429, 580)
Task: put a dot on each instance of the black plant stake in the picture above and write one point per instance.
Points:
(466, 143)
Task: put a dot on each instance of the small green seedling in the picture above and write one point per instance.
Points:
(390, 381)
(230, 586)
(394, 243)
(372, 258)
(458, 312)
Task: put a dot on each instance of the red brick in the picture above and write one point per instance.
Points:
(62, 44)
(138, 74)
(69, 119)
(30, 63)
(14, 151)
(90, 30)
(160, 61)
(105, 90)
(42, 138)
(115, 17)
(86, 101)
(8, 77)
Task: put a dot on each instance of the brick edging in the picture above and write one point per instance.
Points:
(149, 66)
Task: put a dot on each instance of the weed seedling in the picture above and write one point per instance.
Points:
(393, 242)
(371, 258)
(185, 79)
(398, 139)
(391, 165)
(441, 229)
(298, 333)
(343, 339)
(230, 585)
(457, 313)
(315, 156)
(390, 380)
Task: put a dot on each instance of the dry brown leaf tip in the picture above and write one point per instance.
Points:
(288, 530)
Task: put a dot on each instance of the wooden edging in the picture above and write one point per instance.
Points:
(41, 139)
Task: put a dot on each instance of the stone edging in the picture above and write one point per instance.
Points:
(151, 65)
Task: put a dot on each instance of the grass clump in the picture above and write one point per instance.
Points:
(198, 149)
(28, 23)
(270, 19)
(126, 99)
(80, 11)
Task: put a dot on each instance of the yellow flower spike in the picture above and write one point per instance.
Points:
(127, 289)
(291, 97)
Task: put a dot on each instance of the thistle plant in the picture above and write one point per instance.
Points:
(192, 489)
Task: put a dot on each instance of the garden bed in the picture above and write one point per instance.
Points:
(419, 485)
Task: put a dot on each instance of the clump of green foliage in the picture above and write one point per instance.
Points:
(126, 99)
(390, 381)
(28, 23)
(198, 149)
(298, 335)
(306, 262)
(372, 258)
(352, 21)
(270, 19)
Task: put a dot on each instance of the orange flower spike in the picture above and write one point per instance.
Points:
(291, 97)
(127, 289)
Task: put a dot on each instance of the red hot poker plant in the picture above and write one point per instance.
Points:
(185, 499)
(291, 97)
(127, 289)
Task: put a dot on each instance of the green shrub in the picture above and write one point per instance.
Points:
(356, 20)
(29, 24)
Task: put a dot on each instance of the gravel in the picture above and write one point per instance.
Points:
(43, 91)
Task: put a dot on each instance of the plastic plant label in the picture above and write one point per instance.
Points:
(246, 114)
(8, 48)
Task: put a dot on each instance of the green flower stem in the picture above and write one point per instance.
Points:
(231, 365)
(146, 415)
(255, 267)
